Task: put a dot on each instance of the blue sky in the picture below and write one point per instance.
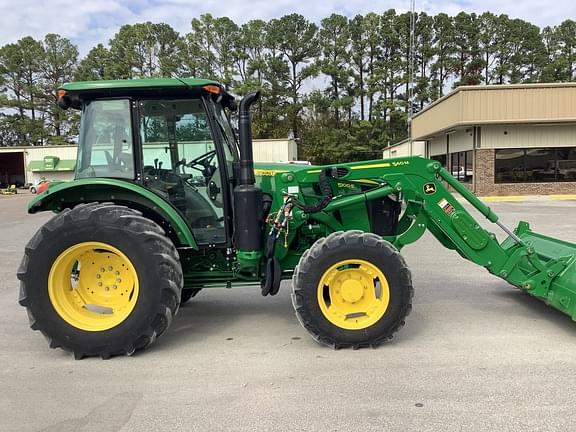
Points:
(88, 22)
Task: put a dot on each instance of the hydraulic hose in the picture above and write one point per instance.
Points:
(327, 196)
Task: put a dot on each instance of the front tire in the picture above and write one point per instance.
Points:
(100, 280)
(352, 290)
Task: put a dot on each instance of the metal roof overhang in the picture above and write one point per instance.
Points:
(497, 104)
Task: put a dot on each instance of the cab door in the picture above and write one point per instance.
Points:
(182, 162)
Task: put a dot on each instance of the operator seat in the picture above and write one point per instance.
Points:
(185, 197)
(119, 160)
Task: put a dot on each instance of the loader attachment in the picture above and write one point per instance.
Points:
(543, 266)
(550, 267)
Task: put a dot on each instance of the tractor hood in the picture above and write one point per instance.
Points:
(267, 169)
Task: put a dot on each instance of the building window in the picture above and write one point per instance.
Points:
(540, 165)
(462, 165)
(509, 166)
(566, 164)
(440, 158)
(535, 165)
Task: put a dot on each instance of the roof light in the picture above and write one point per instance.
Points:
(212, 89)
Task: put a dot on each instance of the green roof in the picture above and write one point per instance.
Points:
(146, 83)
(50, 164)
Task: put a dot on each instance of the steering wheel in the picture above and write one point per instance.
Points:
(202, 164)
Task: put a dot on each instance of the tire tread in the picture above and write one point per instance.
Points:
(151, 234)
(335, 241)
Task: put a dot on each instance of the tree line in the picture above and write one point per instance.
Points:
(341, 87)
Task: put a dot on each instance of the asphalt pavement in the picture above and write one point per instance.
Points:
(475, 355)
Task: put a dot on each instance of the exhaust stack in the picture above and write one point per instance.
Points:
(246, 164)
(247, 196)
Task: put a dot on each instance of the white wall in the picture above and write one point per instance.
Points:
(462, 140)
(416, 148)
(275, 150)
(437, 146)
(520, 136)
(63, 152)
(35, 177)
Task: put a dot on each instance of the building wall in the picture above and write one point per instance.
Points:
(35, 177)
(63, 152)
(479, 120)
(437, 145)
(518, 103)
(438, 116)
(275, 150)
(461, 140)
(38, 154)
(497, 104)
(417, 148)
(485, 185)
(523, 136)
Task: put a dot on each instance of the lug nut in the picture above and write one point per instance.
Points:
(110, 268)
(98, 276)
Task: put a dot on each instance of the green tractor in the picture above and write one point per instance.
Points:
(166, 202)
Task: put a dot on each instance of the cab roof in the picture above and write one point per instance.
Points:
(72, 94)
(136, 84)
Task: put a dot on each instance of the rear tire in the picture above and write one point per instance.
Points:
(69, 305)
(352, 290)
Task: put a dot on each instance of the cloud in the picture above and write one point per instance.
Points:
(89, 22)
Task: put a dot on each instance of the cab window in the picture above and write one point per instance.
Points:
(105, 147)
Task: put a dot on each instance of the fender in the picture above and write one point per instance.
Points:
(68, 194)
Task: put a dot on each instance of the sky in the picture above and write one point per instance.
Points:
(89, 22)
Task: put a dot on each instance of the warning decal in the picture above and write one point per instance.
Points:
(446, 206)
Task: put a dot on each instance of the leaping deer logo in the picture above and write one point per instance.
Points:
(429, 188)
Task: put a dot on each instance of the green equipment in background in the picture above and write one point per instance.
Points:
(10, 190)
(166, 202)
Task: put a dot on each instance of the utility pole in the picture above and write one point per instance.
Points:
(411, 56)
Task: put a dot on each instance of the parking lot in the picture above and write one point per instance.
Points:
(475, 354)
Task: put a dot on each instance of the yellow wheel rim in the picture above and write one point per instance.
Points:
(353, 294)
(93, 286)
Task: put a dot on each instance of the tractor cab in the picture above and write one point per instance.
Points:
(178, 144)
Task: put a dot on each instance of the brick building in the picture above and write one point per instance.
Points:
(502, 140)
